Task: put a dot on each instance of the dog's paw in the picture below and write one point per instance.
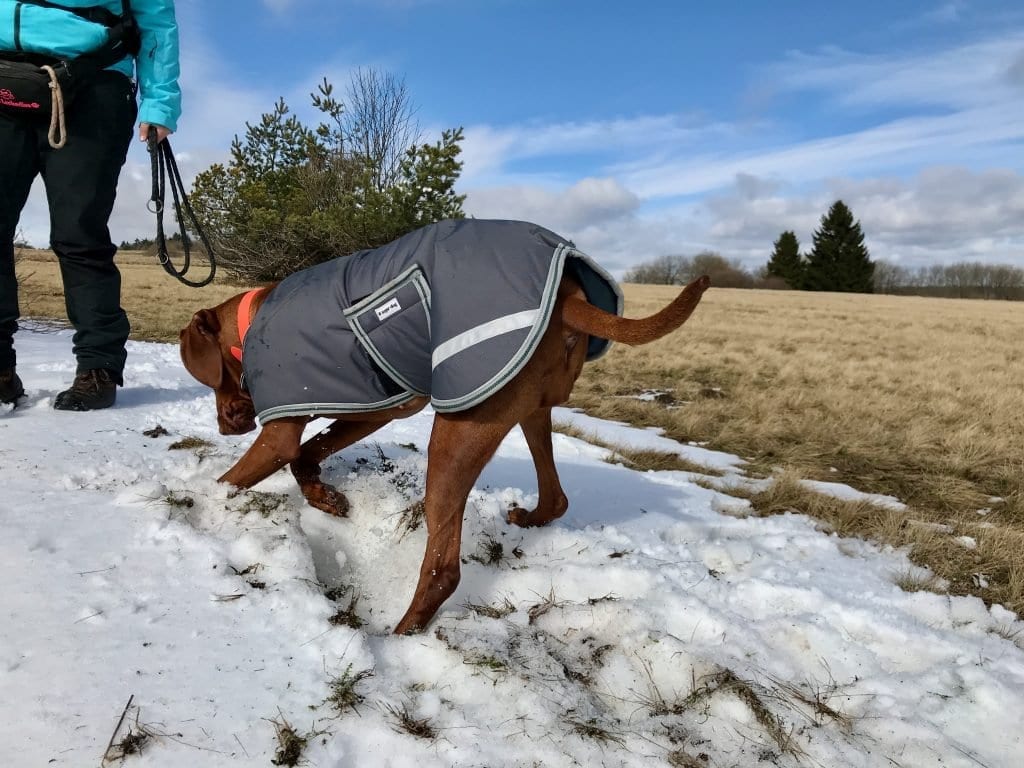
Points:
(327, 499)
(542, 515)
(524, 518)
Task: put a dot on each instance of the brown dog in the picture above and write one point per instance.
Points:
(461, 443)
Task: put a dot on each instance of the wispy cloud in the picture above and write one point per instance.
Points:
(959, 77)
(489, 151)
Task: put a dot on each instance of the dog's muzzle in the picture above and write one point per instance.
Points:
(237, 418)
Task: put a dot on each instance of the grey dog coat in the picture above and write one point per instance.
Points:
(453, 310)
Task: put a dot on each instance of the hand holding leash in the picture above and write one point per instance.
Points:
(162, 163)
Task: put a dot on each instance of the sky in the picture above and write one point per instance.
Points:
(656, 623)
(654, 128)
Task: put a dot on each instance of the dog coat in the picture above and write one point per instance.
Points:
(453, 310)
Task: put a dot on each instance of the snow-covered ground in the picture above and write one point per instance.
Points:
(655, 624)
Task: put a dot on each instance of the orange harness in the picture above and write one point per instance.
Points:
(244, 321)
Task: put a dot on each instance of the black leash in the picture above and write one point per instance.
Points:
(162, 163)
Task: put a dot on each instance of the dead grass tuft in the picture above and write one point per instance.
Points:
(1009, 633)
(537, 610)
(411, 518)
(179, 501)
(919, 581)
(132, 743)
(680, 759)
(345, 695)
(405, 723)
(290, 743)
(191, 443)
(772, 724)
(262, 503)
(590, 729)
(499, 611)
(347, 616)
(817, 697)
(655, 702)
(489, 551)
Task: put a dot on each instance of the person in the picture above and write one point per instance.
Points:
(81, 177)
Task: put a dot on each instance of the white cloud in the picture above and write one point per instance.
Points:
(572, 209)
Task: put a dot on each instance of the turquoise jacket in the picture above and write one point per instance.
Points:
(62, 34)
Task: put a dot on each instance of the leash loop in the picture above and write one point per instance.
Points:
(162, 165)
(57, 135)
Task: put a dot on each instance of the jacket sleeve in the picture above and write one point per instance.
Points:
(157, 64)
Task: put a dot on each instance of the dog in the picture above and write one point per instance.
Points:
(252, 351)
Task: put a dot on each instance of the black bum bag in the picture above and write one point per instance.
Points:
(31, 83)
(27, 89)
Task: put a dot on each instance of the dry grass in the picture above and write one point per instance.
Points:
(644, 460)
(158, 306)
(290, 743)
(345, 696)
(916, 398)
(404, 722)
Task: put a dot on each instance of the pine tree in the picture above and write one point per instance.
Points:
(294, 195)
(839, 260)
(786, 261)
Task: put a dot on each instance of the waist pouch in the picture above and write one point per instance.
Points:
(30, 83)
(27, 90)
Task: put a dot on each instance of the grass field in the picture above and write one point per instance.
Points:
(921, 399)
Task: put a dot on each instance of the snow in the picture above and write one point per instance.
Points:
(649, 622)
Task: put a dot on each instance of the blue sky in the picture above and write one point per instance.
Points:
(650, 128)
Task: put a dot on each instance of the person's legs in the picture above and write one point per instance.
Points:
(19, 164)
(81, 183)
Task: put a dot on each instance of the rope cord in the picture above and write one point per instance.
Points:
(163, 164)
(57, 135)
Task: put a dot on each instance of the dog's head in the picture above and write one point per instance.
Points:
(206, 352)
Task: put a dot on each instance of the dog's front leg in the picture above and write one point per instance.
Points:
(552, 501)
(306, 467)
(459, 449)
(276, 445)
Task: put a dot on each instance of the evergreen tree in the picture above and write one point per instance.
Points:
(293, 195)
(786, 261)
(839, 260)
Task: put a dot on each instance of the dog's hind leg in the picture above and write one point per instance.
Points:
(306, 468)
(551, 501)
(459, 449)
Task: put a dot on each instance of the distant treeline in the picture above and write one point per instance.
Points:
(838, 261)
(963, 280)
(147, 243)
(679, 270)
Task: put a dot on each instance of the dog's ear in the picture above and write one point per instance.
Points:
(200, 348)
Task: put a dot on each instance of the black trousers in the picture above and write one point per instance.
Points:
(81, 182)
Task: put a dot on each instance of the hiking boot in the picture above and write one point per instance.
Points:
(91, 390)
(10, 387)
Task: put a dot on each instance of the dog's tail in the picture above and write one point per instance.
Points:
(579, 314)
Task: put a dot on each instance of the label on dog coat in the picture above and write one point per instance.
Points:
(384, 311)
